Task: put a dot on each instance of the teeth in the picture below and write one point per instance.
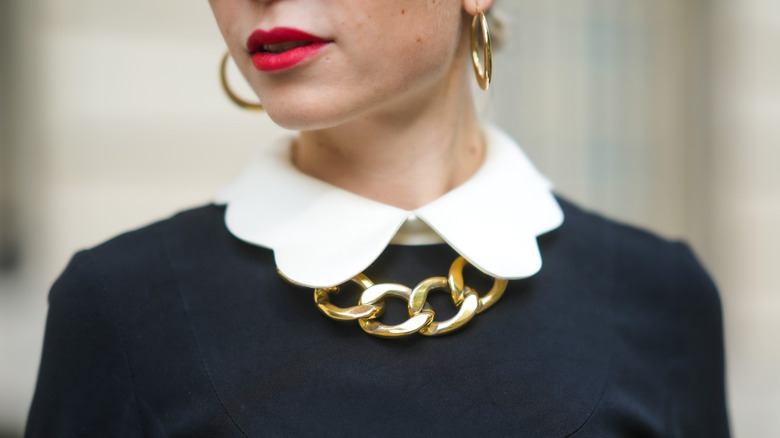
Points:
(283, 47)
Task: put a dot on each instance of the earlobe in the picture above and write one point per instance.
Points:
(475, 6)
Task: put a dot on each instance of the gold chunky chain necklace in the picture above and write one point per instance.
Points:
(372, 304)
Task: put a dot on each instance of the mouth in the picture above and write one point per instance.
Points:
(282, 47)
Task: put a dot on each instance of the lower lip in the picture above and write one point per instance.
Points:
(265, 61)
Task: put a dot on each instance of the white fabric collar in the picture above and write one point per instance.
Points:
(323, 235)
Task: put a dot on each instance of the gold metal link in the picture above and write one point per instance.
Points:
(322, 299)
(458, 287)
(421, 316)
(375, 295)
(467, 308)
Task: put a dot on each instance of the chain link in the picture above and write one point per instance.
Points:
(421, 315)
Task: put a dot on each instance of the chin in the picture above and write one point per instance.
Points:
(306, 117)
(298, 121)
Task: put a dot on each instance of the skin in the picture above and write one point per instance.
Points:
(386, 110)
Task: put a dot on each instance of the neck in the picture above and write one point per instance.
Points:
(405, 156)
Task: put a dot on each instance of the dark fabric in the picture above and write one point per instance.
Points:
(180, 329)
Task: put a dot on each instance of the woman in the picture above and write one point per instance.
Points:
(202, 325)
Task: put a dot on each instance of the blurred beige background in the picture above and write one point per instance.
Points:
(663, 113)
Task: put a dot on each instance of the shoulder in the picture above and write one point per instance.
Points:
(137, 244)
(650, 270)
(141, 257)
(638, 249)
(137, 249)
(602, 233)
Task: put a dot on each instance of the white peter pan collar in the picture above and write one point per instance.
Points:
(323, 235)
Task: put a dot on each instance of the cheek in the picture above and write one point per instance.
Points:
(229, 21)
(411, 47)
(222, 16)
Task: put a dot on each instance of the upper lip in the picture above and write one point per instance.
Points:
(279, 39)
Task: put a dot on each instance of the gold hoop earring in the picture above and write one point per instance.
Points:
(233, 96)
(483, 73)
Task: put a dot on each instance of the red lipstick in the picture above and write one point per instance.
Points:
(282, 47)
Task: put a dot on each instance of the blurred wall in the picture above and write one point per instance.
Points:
(662, 113)
(745, 193)
(7, 246)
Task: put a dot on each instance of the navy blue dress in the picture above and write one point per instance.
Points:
(180, 329)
